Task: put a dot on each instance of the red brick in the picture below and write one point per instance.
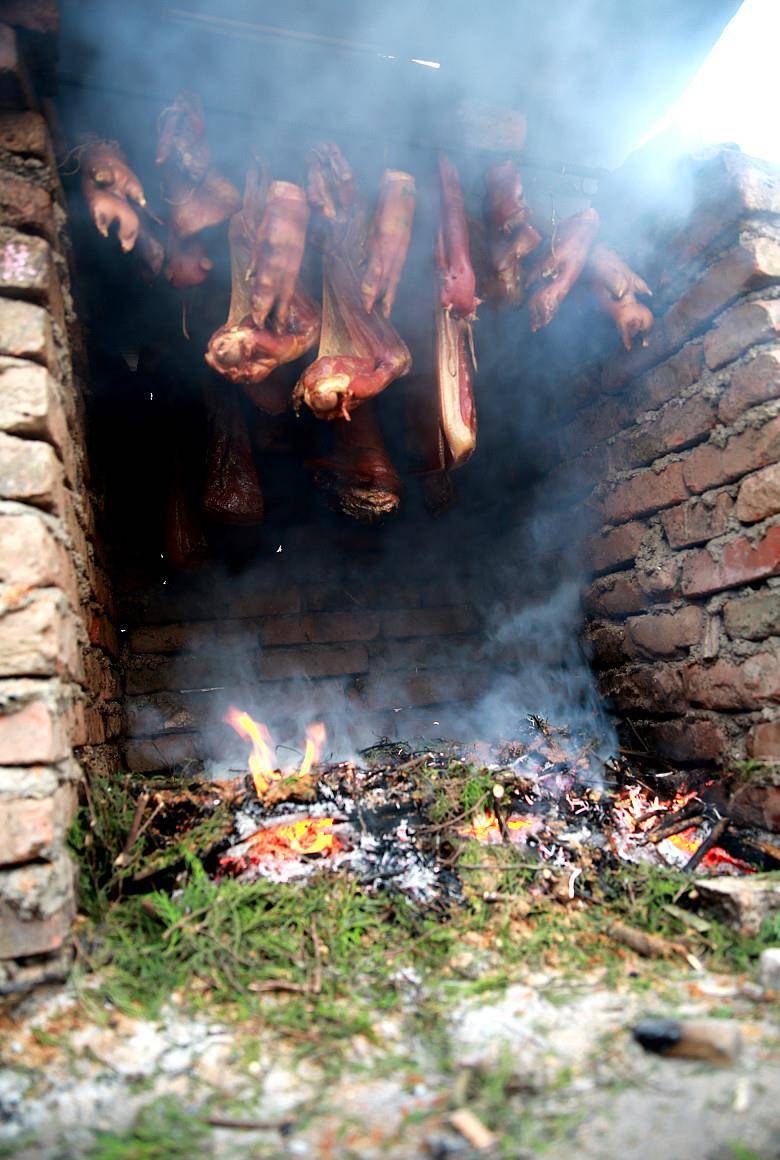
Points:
(645, 492)
(39, 638)
(20, 937)
(615, 595)
(615, 546)
(753, 617)
(26, 206)
(752, 383)
(30, 472)
(35, 827)
(669, 380)
(679, 426)
(100, 676)
(320, 628)
(431, 688)
(102, 633)
(743, 561)
(698, 520)
(605, 644)
(425, 653)
(647, 691)
(256, 601)
(593, 424)
(730, 685)
(276, 664)
(430, 621)
(691, 742)
(758, 803)
(666, 633)
(30, 404)
(25, 332)
(759, 495)
(764, 741)
(30, 557)
(659, 574)
(739, 328)
(749, 265)
(25, 134)
(26, 266)
(709, 465)
(32, 735)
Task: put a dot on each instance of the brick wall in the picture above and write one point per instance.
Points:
(670, 454)
(375, 644)
(59, 710)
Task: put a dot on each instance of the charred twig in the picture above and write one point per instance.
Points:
(122, 858)
(714, 836)
(247, 1125)
(317, 984)
(765, 847)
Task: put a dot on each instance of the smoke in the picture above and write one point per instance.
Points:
(591, 78)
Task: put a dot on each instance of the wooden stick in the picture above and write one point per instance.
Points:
(712, 839)
(132, 835)
(673, 828)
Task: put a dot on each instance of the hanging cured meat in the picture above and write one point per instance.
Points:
(198, 196)
(457, 281)
(388, 240)
(560, 265)
(112, 192)
(510, 236)
(360, 354)
(243, 351)
(232, 492)
(358, 474)
(616, 287)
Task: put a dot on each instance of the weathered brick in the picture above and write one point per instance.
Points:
(666, 633)
(764, 741)
(27, 267)
(645, 492)
(30, 403)
(29, 781)
(39, 638)
(690, 742)
(30, 472)
(25, 134)
(741, 327)
(679, 426)
(26, 332)
(759, 495)
(605, 644)
(709, 465)
(321, 628)
(35, 827)
(26, 206)
(33, 727)
(276, 664)
(37, 906)
(669, 380)
(700, 519)
(750, 264)
(100, 675)
(729, 685)
(615, 595)
(648, 690)
(30, 557)
(752, 383)
(615, 546)
(753, 617)
(253, 600)
(743, 561)
(102, 633)
(593, 424)
(430, 621)
(399, 691)
(758, 803)
(425, 653)
(16, 91)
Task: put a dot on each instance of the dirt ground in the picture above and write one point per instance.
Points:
(548, 1067)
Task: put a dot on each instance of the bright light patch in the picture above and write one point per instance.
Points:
(427, 63)
(733, 97)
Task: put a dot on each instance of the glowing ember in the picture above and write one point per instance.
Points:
(261, 759)
(305, 836)
(485, 827)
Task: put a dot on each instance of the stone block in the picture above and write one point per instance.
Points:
(26, 206)
(26, 332)
(35, 827)
(30, 472)
(30, 556)
(37, 907)
(30, 403)
(39, 637)
(753, 617)
(34, 723)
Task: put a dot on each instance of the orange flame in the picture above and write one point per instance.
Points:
(484, 826)
(261, 760)
(306, 836)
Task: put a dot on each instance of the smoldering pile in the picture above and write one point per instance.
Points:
(402, 819)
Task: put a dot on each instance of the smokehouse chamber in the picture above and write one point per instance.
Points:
(366, 420)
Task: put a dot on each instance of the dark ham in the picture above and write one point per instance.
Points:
(277, 253)
(232, 492)
(560, 265)
(358, 475)
(510, 236)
